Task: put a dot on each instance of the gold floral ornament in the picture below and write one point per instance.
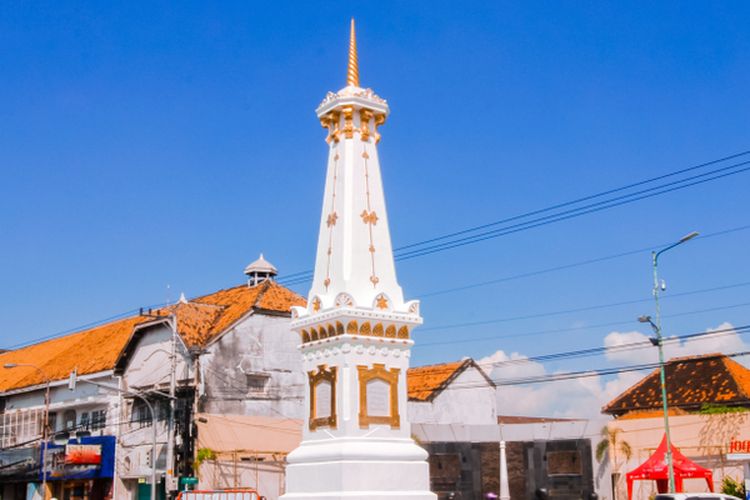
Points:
(381, 302)
(332, 218)
(369, 217)
(364, 126)
(316, 304)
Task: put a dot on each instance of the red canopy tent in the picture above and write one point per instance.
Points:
(655, 469)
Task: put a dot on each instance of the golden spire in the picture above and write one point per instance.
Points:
(352, 73)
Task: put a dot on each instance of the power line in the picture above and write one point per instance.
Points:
(568, 214)
(571, 329)
(571, 375)
(578, 309)
(424, 294)
(556, 377)
(576, 201)
(305, 276)
(739, 330)
(302, 276)
(621, 347)
(562, 267)
(592, 351)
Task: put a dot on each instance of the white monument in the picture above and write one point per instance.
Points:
(356, 329)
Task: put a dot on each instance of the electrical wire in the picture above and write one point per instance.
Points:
(413, 248)
(566, 215)
(464, 340)
(578, 309)
(447, 370)
(576, 201)
(305, 276)
(562, 267)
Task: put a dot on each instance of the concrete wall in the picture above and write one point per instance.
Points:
(517, 437)
(469, 399)
(562, 467)
(258, 346)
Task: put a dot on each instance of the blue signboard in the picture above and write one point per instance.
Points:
(85, 458)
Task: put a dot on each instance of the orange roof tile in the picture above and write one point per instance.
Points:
(98, 349)
(424, 383)
(212, 314)
(89, 351)
(691, 382)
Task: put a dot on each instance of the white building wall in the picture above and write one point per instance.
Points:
(149, 367)
(150, 364)
(263, 346)
(705, 439)
(469, 399)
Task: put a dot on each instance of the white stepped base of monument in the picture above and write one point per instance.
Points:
(341, 468)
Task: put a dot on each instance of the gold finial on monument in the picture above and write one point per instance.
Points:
(352, 73)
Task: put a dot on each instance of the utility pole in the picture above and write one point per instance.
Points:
(170, 478)
(659, 343)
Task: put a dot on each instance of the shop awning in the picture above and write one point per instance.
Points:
(656, 469)
(248, 434)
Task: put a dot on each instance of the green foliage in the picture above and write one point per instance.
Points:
(714, 409)
(610, 441)
(601, 450)
(206, 454)
(730, 486)
(202, 455)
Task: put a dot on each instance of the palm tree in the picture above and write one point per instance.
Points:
(612, 445)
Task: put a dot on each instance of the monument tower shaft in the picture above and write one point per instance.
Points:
(356, 328)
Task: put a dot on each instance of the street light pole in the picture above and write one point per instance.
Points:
(659, 342)
(45, 427)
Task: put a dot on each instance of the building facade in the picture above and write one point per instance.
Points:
(84, 419)
(709, 419)
(451, 393)
(227, 352)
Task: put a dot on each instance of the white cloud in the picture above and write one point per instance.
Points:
(572, 398)
(584, 397)
(726, 340)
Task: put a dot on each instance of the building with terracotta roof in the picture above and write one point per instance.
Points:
(708, 398)
(693, 382)
(229, 352)
(451, 393)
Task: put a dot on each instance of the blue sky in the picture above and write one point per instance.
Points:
(147, 145)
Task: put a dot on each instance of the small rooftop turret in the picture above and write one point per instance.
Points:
(260, 271)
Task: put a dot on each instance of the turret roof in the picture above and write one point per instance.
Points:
(260, 265)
